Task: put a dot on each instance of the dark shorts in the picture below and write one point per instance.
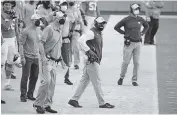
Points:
(66, 53)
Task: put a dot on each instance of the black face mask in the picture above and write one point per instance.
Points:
(37, 23)
(101, 29)
(61, 21)
(71, 3)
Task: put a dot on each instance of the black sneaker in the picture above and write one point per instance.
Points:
(39, 109)
(48, 109)
(68, 82)
(134, 84)
(74, 103)
(76, 67)
(120, 81)
(13, 76)
(3, 102)
(23, 99)
(106, 105)
(31, 98)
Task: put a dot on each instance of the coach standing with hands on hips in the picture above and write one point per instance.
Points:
(132, 44)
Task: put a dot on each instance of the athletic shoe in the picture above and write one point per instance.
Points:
(48, 109)
(106, 105)
(134, 84)
(120, 81)
(74, 103)
(39, 109)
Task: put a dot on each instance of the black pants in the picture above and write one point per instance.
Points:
(29, 70)
(153, 27)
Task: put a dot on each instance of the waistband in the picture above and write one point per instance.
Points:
(53, 59)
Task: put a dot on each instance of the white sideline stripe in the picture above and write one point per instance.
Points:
(153, 48)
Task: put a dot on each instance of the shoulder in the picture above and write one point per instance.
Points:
(90, 33)
(26, 30)
(141, 18)
(126, 18)
(48, 29)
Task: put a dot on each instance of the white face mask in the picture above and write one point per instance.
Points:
(136, 12)
(63, 8)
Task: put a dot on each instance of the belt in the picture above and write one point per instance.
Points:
(79, 31)
(65, 37)
(132, 40)
(53, 59)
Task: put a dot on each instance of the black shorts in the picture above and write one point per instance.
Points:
(66, 53)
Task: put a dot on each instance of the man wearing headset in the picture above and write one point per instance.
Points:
(133, 38)
(91, 43)
(50, 51)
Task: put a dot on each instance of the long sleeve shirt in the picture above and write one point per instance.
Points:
(132, 27)
(89, 35)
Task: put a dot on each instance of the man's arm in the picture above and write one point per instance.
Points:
(145, 25)
(84, 38)
(119, 25)
(22, 41)
(46, 33)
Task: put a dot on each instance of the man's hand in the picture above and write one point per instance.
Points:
(44, 60)
(85, 22)
(92, 57)
(23, 61)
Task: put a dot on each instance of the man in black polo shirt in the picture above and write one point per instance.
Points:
(132, 34)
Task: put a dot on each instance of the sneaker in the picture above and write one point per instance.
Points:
(39, 109)
(76, 67)
(48, 109)
(8, 88)
(23, 99)
(68, 82)
(120, 81)
(31, 98)
(106, 105)
(3, 102)
(74, 103)
(13, 76)
(134, 84)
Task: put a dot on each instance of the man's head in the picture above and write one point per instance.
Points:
(63, 6)
(31, 2)
(99, 23)
(60, 18)
(8, 5)
(135, 9)
(46, 4)
(71, 2)
(35, 18)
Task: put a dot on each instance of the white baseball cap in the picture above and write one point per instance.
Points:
(35, 17)
(100, 20)
(135, 6)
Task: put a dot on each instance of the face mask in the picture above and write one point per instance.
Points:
(63, 8)
(37, 23)
(136, 12)
(71, 3)
(61, 21)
